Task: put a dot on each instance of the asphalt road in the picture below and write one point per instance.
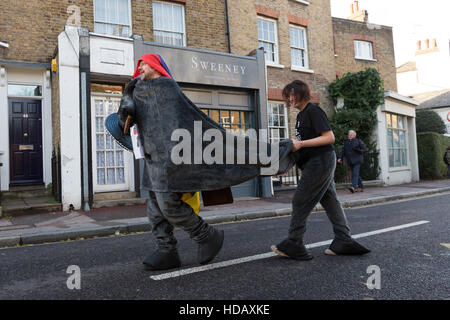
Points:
(413, 262)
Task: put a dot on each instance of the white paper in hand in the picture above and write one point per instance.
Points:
(138, 150)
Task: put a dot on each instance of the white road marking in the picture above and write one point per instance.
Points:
(227, 263)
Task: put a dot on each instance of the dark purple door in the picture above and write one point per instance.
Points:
(25, 140)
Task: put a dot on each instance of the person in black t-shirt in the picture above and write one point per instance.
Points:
(315, 156)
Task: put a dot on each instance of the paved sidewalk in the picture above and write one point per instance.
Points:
(60, 226)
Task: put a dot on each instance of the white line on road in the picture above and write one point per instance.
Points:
(227, 263)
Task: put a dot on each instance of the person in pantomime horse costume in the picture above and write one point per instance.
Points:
(156, 104)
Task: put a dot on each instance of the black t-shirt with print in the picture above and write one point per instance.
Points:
(311, 122)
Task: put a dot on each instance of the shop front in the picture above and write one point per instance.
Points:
(230, 89)
(396, 134)
(92, 72)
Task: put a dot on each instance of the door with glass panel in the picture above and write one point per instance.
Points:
(110, 162)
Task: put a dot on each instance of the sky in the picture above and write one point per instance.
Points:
(412, 20)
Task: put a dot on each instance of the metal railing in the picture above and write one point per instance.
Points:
(289, 178)
(292, 177)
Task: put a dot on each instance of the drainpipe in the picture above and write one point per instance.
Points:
(228, 26)
(85, 119)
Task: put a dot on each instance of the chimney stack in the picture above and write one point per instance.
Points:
(427, 46)
(433, 43)
(356, 14)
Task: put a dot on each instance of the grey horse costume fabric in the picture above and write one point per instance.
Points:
(160, 107)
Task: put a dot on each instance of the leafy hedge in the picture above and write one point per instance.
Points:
(431, 148)
(429, 121)
(362, 92)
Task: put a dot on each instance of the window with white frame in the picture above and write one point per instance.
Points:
(299, 49)
(278, 123)
(267, 38)
(363, 50)
(112, 17)
(168, 23)
(396, 140)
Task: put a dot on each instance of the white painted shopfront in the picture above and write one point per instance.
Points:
(396, 135)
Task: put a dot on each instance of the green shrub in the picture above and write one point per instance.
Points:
(360, 90)
(429, 121)
(362, 93)
(431, 148)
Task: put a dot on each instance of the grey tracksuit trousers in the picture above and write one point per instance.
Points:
(317, 185)
(165, 211)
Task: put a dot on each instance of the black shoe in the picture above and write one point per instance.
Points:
(339, 247)
(352, 190)
(210, 247)
(162, 260)
(289, 249)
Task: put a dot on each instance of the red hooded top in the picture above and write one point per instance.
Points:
(156, 62)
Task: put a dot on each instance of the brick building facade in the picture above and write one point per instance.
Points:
(314, 18)
(330, 46)
(301, 39)
(346, 32)
(31, 28)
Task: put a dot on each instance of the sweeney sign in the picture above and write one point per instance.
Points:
(206, 67)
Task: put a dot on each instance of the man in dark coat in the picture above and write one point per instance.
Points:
(353, 151)
(161, 111)
(447, 160)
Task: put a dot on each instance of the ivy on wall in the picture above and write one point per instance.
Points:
(362, 93)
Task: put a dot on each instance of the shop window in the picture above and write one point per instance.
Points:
(299, 51)
(237, 122)
(106, 89)
(267, 38)
(112, 17)
(109, 154)
(396, 140)
(168, 23)
(363, 50)
(277, 120)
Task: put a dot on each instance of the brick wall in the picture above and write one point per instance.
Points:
(31, 27)
(346, 31)
(206, 25)
(205, 22)
(316, 17)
